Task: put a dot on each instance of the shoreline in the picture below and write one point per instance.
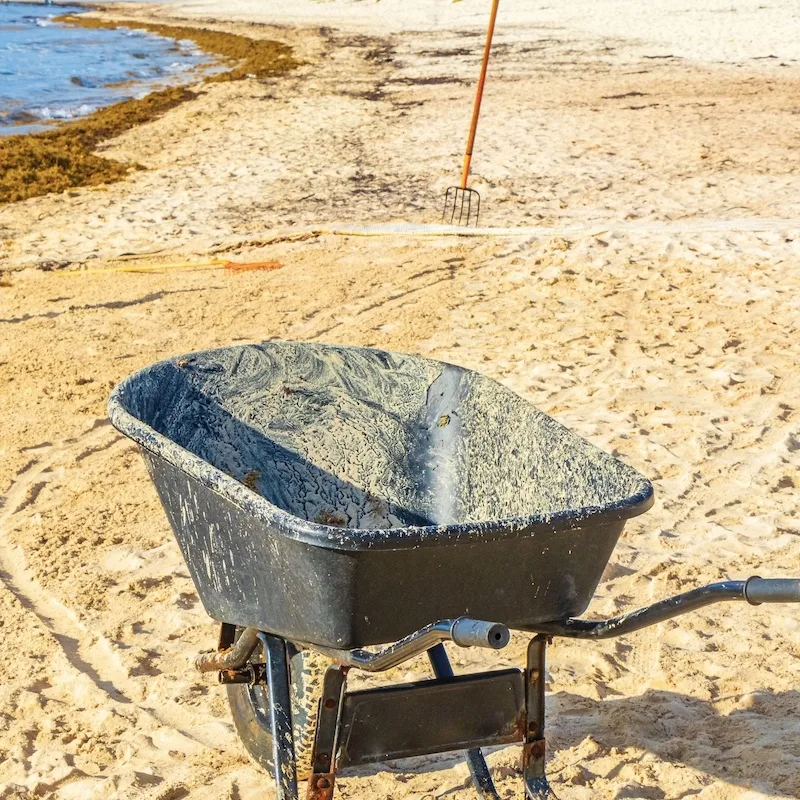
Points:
(63, 157)
(715, 31)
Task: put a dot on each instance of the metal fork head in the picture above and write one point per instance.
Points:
(461, 207)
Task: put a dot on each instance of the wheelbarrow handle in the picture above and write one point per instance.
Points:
(463, 631)
(772, 590)
(468, 632)
(755, 591)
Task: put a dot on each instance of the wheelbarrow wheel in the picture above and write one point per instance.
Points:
(306, 673)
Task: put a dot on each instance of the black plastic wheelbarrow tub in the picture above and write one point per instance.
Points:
(346, 496)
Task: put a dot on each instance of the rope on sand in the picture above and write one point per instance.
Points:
(687, 226)
(214, 263)
(419, 230)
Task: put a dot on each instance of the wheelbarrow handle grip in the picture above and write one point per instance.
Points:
(468, 632)
(772, 590)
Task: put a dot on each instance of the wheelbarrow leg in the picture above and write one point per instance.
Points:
(478, 768)
(280, 713)
(323, 762)
(533, 753)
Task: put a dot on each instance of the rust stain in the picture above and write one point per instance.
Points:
(521, 725)
(320, 786)
(251, 479)
(532, 751)
(330, 517)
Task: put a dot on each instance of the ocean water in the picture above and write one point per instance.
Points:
(51, 72)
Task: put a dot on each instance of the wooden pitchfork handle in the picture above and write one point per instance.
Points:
(473, 128)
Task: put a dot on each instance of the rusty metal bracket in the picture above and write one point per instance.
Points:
(323, 762)
(534, 750)
(321, 786)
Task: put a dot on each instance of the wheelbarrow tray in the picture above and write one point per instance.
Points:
(344, 497)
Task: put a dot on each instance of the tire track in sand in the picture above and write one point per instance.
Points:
(85, 652)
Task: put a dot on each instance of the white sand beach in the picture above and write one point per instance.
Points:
(654, 310)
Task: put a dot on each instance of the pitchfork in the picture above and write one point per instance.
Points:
(462, 206)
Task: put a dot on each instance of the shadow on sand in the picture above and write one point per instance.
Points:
(757, 746)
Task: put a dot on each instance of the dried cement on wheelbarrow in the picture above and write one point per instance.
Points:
(367, 439)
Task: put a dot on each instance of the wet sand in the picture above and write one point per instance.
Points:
(65, 159)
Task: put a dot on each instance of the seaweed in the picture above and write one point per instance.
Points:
(249, 57)
(35, 164)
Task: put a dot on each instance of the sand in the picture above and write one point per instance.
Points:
(674, 347)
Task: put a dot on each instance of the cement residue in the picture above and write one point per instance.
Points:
(358, 438)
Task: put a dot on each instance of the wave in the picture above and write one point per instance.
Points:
(54, 72)
(65, 112)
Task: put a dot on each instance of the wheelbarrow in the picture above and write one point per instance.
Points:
(344, 508)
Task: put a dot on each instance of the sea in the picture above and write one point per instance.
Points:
(51, 72)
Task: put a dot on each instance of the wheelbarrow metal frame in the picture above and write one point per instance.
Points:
(289, 581)
(447, 713)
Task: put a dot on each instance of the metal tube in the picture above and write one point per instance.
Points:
(772, 590)
(468, 632)
(642, 617)
(463, 631)
(754, 590)
(234, 658)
